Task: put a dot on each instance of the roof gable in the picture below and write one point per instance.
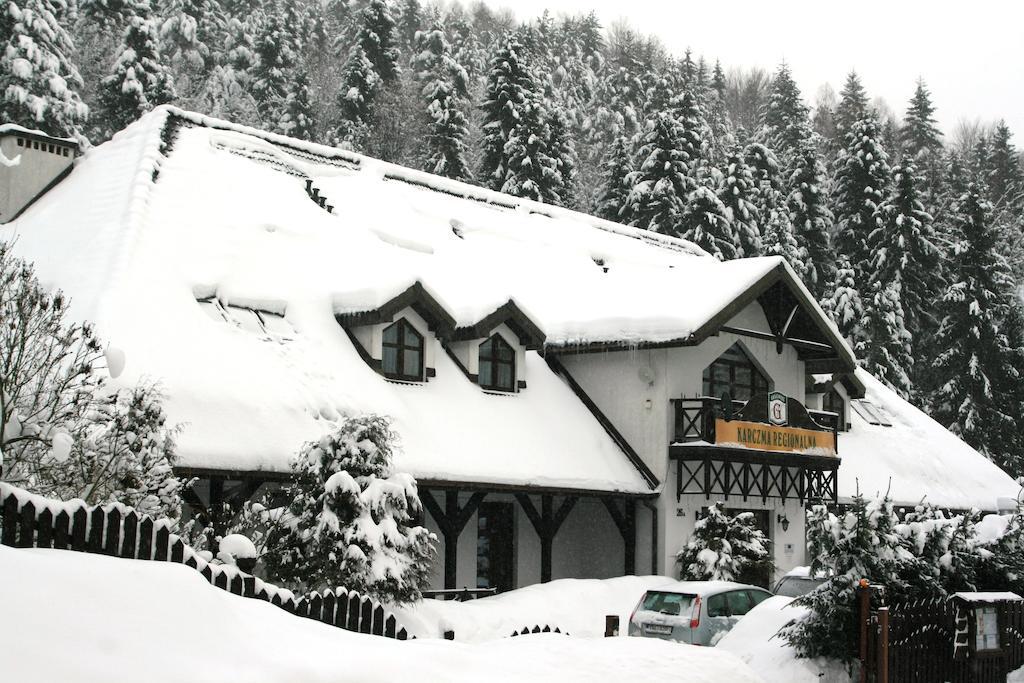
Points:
(509, 313)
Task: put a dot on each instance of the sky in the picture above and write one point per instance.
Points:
(970, 53)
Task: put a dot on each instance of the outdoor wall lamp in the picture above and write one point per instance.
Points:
(783, 520)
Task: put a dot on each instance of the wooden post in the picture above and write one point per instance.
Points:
(452, 520)
(864, 612)
(882, 674)
(611, 625)
(547, 538)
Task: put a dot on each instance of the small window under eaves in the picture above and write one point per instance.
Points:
(871, 413)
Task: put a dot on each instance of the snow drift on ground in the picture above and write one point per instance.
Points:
(78, 617)
(753, 639)
(576, 606)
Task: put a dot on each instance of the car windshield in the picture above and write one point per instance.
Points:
(795, 586)
(668, 603)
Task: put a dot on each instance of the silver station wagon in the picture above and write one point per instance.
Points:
(696, 612)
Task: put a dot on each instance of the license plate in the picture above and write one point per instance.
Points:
(659, 629)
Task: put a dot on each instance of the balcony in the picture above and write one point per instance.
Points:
(718, 452)
(695, 419)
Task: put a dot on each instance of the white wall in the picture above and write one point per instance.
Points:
(618, 382)
(21, 183)
(588, 545)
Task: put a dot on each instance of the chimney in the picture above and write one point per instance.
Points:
(31, 162)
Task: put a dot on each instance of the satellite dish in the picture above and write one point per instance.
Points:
(646, 374)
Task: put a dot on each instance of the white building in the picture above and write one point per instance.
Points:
(556, 379)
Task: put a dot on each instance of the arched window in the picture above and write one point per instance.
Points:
(497, 365)
(734, 372)
(403, 352)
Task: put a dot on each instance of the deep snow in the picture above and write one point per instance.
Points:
(75, 616)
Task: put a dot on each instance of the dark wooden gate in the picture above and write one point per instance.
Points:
(931, 641)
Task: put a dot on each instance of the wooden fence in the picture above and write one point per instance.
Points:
(526, 630)
(31, 521)
(927, 641)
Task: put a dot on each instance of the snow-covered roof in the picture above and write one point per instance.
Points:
(914, 458)
(178, 208)
(15, 129)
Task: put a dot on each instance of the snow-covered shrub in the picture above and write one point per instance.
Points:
(350, 518)
(861, 543)
(723, 548)
(63, 432)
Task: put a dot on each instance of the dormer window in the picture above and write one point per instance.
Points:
(402, 357)
(497, 364)
(734, 372)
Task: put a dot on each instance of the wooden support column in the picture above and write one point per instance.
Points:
(546, 523)
(452, 520)
(625, 521)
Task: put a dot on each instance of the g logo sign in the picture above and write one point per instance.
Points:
(778, 408)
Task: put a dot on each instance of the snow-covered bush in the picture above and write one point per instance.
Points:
(724, 548)
(929, 554)
(63, 432)
(349, 520)
(861, 543)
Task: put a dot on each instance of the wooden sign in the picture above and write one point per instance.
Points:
(766, 437)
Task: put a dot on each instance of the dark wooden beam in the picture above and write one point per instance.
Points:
(546, 523)
(625, 521)
(451, 521)
(617, 437)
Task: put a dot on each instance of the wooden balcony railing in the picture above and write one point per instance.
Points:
(695, 418)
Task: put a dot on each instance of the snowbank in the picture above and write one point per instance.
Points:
(753, 639)
(118, 620)
(576, 606)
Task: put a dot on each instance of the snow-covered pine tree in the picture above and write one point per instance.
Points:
(903, 250)
(976, 360)
(191, 33)
(563, 151)
(297, 119)
(410, 22)
(861, 185)
(862, 543)
(853, 106)
(614, 185)
(275, 60)
(724, 548)
(737, 192)
(884, 348)
(662, 181)
(39, 83)
(779, 240)
(768, 196)
(531, 170)
(1005, 176)
(705, 222)
(843, 301)
(378, 36)
(786, 116)
(139, 79)
(510, 89)
(350, 519)
(444, 85)
(225, 96)
(359, 83)
(922, 140)
(812, 221)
